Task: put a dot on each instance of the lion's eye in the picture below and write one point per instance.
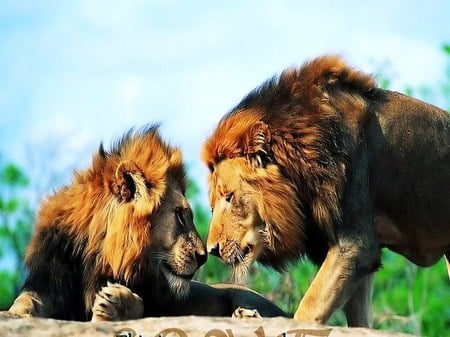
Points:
(180, 217)
(229, 197)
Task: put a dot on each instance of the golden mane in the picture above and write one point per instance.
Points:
(293, 121)
(307, 88)
(110, 229)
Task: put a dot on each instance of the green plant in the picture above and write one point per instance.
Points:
(15, 229)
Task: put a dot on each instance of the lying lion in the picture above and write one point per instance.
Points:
(321, 162)
(124, 219)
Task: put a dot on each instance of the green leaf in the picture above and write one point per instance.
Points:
(4, 231)
(446, 48)
(192, 189)
(22, 235)
(12, 175)
(11, 205)
(7, 282)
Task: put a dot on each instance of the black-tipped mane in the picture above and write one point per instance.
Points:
(118, 144)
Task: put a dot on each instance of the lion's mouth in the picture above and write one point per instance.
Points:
(247, 249)
(179, 284)
(170, 272)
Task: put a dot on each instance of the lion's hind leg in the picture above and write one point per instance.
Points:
(116, 302)
(357, 308)
(28, 304)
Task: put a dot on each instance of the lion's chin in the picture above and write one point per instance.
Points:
(179, 285)
(241, 271)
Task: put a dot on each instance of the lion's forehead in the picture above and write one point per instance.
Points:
(228, 171)
(222, 187)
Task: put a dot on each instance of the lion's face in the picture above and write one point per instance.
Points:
(143, 228)
(256, 209)
(176, 251)
(236, 233)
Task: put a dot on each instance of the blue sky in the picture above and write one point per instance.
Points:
(75, 73)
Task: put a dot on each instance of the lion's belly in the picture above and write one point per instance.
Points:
(415, 243)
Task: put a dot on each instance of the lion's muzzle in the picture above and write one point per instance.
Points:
(200, 257)
(230, 253)
(215, 250)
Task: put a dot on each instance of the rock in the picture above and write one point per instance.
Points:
(185, 326)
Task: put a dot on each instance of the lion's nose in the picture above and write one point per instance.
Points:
(200, 257)
(215, 250)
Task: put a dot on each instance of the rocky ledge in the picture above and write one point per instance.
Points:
(186, 326)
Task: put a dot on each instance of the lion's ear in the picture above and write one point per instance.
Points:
(129, 181)
(258, 150)
(176, 159)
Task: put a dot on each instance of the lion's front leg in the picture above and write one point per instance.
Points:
(354, 256)
(329, 289)
(116, 302)
(336, 281)
(28, 304)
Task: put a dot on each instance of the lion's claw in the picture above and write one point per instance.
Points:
(116, 302)
(246, 313)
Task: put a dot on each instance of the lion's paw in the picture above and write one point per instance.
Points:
(28, 304)
(246, 313)
(116, 302)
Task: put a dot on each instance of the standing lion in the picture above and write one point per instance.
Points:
(126, 220)
(321, 162)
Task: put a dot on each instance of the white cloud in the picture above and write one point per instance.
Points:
(90, 70)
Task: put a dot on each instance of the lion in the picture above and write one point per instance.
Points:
(322, 163)
(119, 242)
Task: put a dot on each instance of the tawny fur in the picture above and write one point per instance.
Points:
(321, 162)
(114, 233)
(100, 226)
(125, 219)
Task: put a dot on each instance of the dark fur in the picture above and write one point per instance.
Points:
(123, 220)
(367, 166)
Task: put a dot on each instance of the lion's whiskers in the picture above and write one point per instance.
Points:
(178, 286)
(160, 257)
